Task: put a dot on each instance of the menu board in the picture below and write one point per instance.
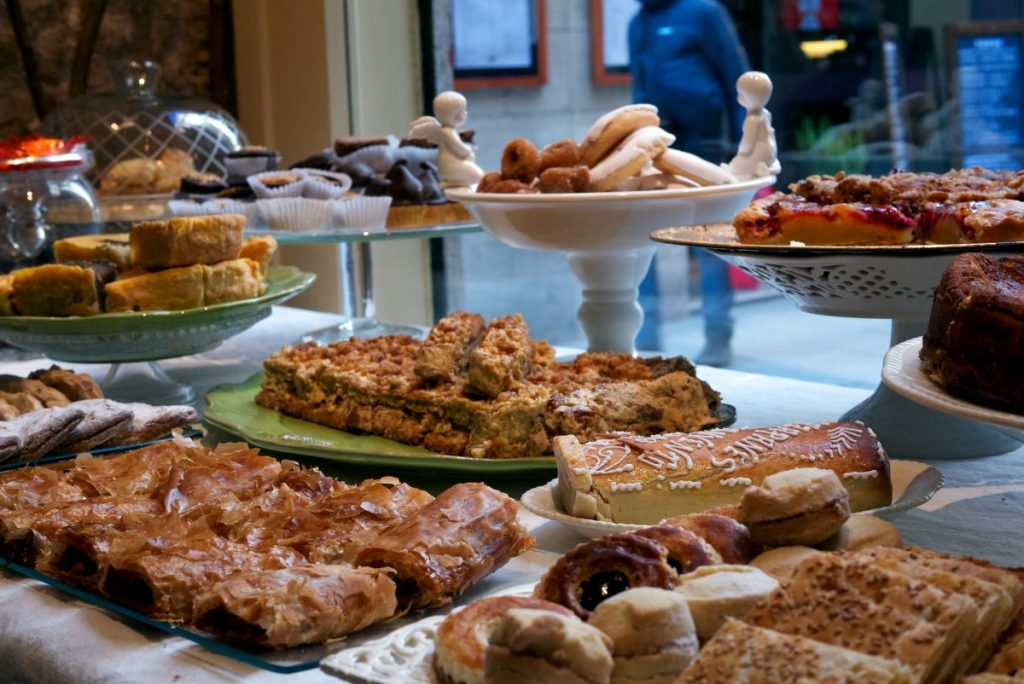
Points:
(492, 36)
(991, 98)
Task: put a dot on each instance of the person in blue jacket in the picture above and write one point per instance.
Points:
(685, 58)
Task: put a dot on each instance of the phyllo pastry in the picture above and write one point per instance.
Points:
(185, 241)
(187, 287)
(630, 478)
(463, 535)
(230, 281)
(35, 487)
(261, 249)
(743, 653)
(300, 605)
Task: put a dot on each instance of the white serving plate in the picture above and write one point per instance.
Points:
(913, 484)
(902, 372)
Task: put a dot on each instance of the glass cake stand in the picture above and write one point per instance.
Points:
(894, 282)
(606, 239)
(357, 275)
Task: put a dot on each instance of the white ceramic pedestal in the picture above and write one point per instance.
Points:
(867, 282)
(606, 236)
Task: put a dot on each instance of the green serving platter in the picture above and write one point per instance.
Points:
(233, 409)
(149, 335)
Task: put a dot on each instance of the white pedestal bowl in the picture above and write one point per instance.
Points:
(606, 237)
(894, 282)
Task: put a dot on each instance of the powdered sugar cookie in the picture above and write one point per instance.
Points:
(629, 158)
(693, 167)
(612, 128)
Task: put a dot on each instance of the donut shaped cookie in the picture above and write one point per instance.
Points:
(561, 153)
(603, 567)
(488, 181)
(730, 538)
(520, 161)
(612, 128)
(685, 551)
(693, 167)
(629, 158)
(461, 643)
(561, 179)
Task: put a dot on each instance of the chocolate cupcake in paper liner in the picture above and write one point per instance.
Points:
(276, 184)
(295, 214)
(250, 160)
(326, 185)
(362, 213)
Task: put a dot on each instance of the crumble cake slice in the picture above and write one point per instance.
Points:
(372, 386)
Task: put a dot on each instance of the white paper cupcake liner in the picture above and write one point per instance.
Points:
(185, 208)
(380, 158)
(368, 214)
(295, 214)
(318, 189)
(230, 206)
(242, 167)
(296, 189)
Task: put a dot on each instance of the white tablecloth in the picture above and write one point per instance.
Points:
(47, 637)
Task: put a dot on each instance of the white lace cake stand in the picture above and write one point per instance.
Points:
(894, 282)
(606, 237)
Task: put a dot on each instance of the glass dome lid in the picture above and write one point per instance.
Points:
(144, 143)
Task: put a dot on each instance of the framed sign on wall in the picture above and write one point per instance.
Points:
(499, 44)
(609, 44)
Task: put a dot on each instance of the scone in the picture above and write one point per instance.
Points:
(529, 646)
(715, 593)
(186, 240)
(652, 634)
(803, 506)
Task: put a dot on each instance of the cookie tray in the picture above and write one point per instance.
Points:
(526, 568)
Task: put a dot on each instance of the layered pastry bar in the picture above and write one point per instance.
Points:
(493, 395)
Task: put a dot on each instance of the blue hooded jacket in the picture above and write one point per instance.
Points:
(685, 58)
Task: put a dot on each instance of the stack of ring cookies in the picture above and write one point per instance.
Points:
(624, 150)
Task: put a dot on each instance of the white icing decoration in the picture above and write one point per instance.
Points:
(865, 475)
(610, 458)
(844, 437)
(737, 481)
(581, 471)
(626, 486)
(684, 484)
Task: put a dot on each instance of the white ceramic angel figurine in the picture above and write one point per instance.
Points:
(456, 162)
(757, 155)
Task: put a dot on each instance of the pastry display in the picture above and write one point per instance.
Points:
(652, 634)
(485, 392)
(624, 149)
(643, 479)
(799, 507)
(172, 265)
(226, 539)
(961, 206)
(976, 326)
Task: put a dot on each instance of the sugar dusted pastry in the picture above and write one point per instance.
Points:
(529, 646)
(754, 655)
(293, 606)
(635, 479)
(802, 506)
(652, 634)
(629, 157)
(613, 127)
(461, 642)
(715, 593)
